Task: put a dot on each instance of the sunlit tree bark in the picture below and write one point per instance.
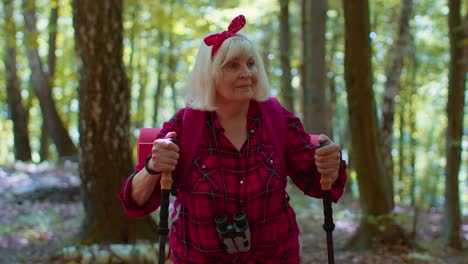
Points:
(104, 94)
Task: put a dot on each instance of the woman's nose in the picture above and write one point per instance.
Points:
(245, 72)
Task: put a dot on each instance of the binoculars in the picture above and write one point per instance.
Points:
(234, 236)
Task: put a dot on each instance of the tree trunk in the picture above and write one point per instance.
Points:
(173, 54)
(392, 88)
(267, 29)
(285, 50)
(52, 41)
(159, 84)
(142, 84)
(44, 148)
(104, 95)
(140, 70)
(330, 72)
(455, 105)
(172, 63)
(131, 39)
(412, 154)
(401, 144)
(44, 153)
(377, 225)
(19, 115)
(41, 85)
(314, 102)
(406, 114)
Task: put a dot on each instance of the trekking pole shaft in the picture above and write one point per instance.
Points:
(328, 225)
(166, 184)
(163, 224)
(164, 217)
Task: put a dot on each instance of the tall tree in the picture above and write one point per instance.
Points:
(285, 49)
(267, 27)
(51, 61)
(331, 68)
(314, 17)
(392, 87)
(377, 225)
(41, 85)
(455, 105)
(174, 52)
(104, 122)
(412, 155)
(142, 85)
(19, 115)
(160, 80)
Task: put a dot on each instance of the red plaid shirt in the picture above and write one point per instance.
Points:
(224, 180)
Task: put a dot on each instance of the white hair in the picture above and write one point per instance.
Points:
(201, 86)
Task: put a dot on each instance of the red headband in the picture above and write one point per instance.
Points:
(217, 39)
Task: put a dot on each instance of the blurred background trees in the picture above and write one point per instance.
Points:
(386, 81)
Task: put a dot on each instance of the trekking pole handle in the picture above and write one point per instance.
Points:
(166, 178)
(326, 181)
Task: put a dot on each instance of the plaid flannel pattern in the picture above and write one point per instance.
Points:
(225, 180)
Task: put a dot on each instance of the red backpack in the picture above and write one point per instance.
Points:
(192, 121)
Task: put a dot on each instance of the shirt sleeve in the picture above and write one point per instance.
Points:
(301, 162)
(130, 207)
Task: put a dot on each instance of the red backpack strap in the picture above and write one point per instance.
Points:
(193, 123)
(271, 110)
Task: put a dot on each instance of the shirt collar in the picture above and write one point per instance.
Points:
(252, 115)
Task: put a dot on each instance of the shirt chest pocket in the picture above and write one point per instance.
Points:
(205, 175)
(269, 171)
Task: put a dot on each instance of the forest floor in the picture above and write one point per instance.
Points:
(41, 212)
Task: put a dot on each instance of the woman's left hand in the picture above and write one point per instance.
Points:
(327, 159)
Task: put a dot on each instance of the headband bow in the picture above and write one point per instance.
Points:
(217, 39)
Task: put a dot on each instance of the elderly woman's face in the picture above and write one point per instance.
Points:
(238, 79)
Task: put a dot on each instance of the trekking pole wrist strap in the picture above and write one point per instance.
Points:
(148, 169)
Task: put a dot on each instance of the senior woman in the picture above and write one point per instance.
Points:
(233, 207)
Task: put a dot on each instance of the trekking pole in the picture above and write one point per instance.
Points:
(166, 183)
(328, 224)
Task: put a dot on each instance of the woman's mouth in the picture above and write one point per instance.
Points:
(244, 86)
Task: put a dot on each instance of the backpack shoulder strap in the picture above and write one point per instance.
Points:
(192, 128)
(271, 110)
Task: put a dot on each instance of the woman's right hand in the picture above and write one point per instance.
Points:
(164, 154)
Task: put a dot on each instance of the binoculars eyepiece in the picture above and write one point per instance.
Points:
(234, 236)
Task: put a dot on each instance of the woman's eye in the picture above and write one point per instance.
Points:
(250, 64)
(233, 65)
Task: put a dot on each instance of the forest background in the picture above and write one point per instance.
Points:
(385, 78)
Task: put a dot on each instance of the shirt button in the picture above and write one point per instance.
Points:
(241, 182)
(203, 166)
(252, 131)
(271, 161)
